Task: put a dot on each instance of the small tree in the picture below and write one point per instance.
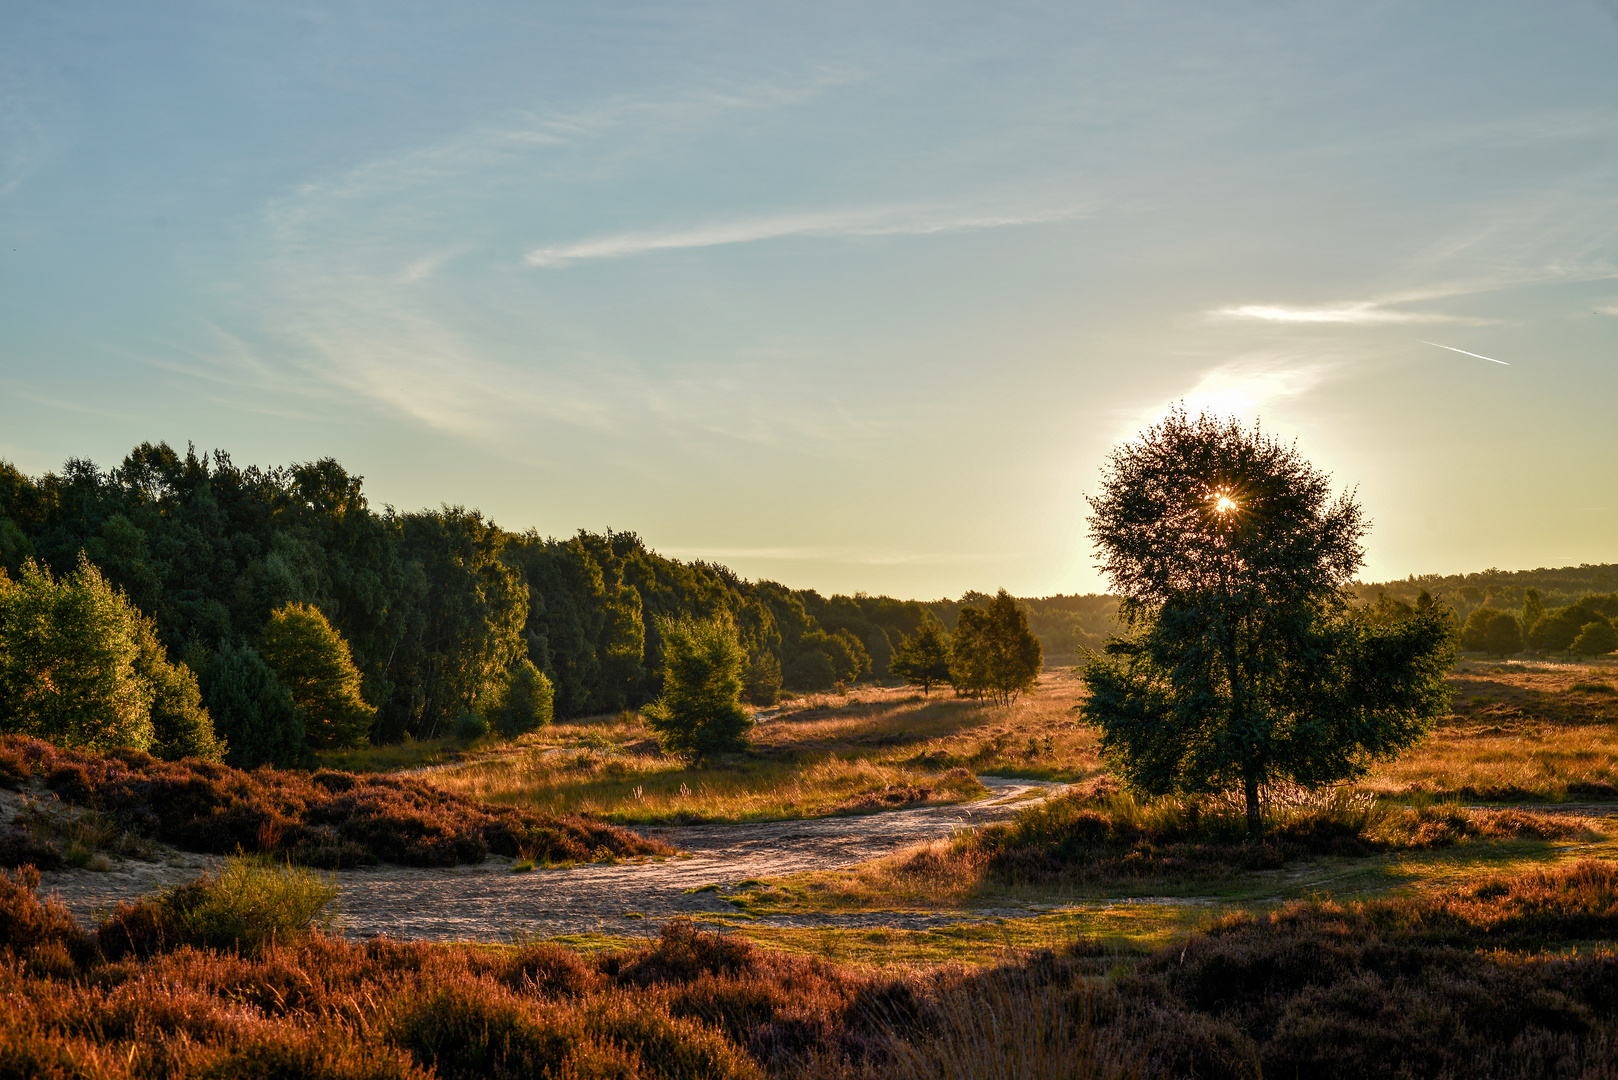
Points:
(312, 661)
(923, 658)
(1475, 632)
(181, 725)
(1532, 608)
(700, 712)
(1241, 664)
(69, 650)
(993, 652)
(253, 710)
(1596, 638)
(880, 650)
(1503, 635)
(763, 679)
(811, 672)
(525, 702)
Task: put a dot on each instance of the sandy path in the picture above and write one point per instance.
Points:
(490, 903)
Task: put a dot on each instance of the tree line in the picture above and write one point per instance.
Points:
(240, 585)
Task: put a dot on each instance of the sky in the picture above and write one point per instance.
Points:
(852, 296)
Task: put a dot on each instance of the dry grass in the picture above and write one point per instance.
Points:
(868, 750)
(1519, 732)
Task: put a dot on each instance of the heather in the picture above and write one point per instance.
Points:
(323, 819)
(1507, 978)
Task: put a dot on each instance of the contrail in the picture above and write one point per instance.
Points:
(1480, 356)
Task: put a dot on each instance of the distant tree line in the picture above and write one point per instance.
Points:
(282, 602)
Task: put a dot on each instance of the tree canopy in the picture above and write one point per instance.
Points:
(313, 662)
(922, 658)
(1242, 664)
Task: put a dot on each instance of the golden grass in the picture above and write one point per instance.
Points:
(1538, 732)
(869, 749)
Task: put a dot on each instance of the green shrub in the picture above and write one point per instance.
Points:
(526, 701)
(700, 711)
(250, 904)
(471, 727)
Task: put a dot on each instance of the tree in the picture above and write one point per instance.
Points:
(1532, 608)
(1596, 638)
(880, 650)
(181, 724)
(69, 648)
(312, 661)
(763, 679)
(993, 652)
(253, 710)
(700, 712)
(1503, 635)
(1241, 664)
(810, 672)
(525, 702)
(923, 658)
(1492, 631)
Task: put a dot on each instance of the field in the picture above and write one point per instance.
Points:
(1451, 914)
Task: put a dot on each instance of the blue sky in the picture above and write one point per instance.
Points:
(854, 296)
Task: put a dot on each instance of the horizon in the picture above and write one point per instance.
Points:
(853, 300)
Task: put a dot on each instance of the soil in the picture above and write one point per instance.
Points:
(491, 903)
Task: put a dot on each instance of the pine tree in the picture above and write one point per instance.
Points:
(253, 711)
(700, 712)
(993, 652)
(923, 658)
(525, 702)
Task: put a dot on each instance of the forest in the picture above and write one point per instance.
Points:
(438, 607)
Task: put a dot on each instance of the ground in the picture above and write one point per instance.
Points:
(780, 845)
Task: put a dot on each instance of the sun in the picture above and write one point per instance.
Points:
(1224, 504)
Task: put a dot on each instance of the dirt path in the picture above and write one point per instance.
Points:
(490, 903)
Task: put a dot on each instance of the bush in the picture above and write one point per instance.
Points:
(248, 906)
(811, 672)
(471, 727)
(526, 701)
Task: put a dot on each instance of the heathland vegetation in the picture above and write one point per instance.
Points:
(234, 661)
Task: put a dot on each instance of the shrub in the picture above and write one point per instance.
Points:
(526, 701)
(249, 905)
(471, 727)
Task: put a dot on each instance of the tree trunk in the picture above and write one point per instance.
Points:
(1255, 821)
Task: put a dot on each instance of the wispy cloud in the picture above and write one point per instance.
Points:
(849, 223)
(1356, 313)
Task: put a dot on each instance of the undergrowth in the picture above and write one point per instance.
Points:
(1509, 978)
(325, 819)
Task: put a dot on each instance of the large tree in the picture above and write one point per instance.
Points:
(1241, 663)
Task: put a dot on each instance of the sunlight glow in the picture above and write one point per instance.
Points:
(1224, 504)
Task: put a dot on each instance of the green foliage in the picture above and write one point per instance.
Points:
(181, 725)
(880, 649)
(1503, 635)
(992, 651)
(763, 679)
(1533, 608)
(313, 662)
(525, 701)
(923, 658)
(848, 657)
(1492, 631)
(253, 711)
(1596, 638)
(699, 713)
(810, 672)
(68, 654)
(1242, 665)
(248, 906)
(471, 727)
